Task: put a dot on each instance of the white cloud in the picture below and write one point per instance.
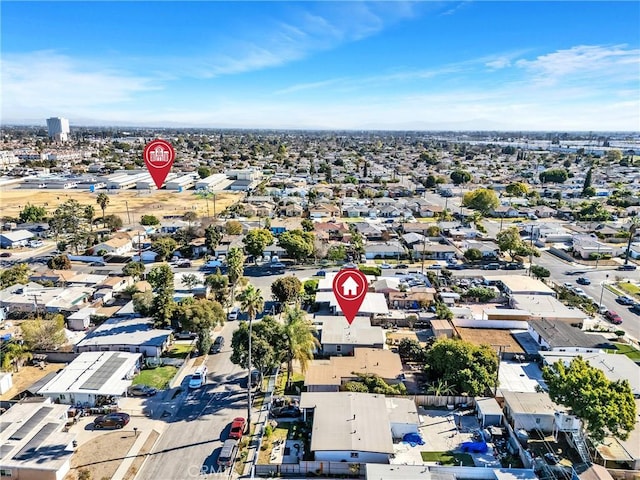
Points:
(498, 63)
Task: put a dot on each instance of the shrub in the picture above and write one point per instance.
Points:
(370, 270)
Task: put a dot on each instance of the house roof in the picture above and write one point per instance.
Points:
(125, 331)
(382, 362)
(546, 306)
(337, 331)
(559, 334)
(349, 422)
(373, 303)
(521, 284)
(538, 403)
(17, 235)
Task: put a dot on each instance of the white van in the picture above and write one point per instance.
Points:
(233, 314)
(199, 377)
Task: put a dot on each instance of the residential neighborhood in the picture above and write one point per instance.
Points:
(181, 314)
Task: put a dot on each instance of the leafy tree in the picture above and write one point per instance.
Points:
(40, 334)
(32, 213)
(103, 200)
(89, 213)
(267, 344)
(69, 220)
(300, 340)
(433, 231)
(554, 175)
(509, 241)
(593, 211)
(539, 271)
(587, 189)
(219, 286)
(14, 355)
(212, 237)
(466, 367)
(15, 274)
(355, 386)
(164, 247)
(161, 280)
(517, 189)
(298, 244)
(143, 302)
(473, 254)
(191, 280)
(256, 241)
(482, 199)
(113, 222)
(459, 177)
(483, 294)
(443, 312)
(235, 264)
(440, 387)
(410, 350)
(337, 253)
(204, 172)
(287, 289)
(59, 262)
(614, 156)
(307, 225)
(149, 220)
(606, 407)
(199, 316)
(134, 269)
(190, 217)
(233, 227)
(374, 384)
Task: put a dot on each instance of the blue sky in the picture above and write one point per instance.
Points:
(332, 65)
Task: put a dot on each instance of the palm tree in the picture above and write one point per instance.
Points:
(252, 303)
(14, 356)
(89, 213)
(300, 338)
(103, 200)
(190, 280)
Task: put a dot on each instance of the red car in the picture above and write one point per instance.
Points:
(613, 317)
(237, 428)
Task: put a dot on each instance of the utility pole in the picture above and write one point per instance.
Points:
(602, 291)
(424, 246)
(128, 216)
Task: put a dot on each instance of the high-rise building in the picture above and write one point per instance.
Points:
(58, 128)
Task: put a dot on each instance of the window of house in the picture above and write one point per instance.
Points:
(6, 472)
(338, 348)
(354, 454)
(538, 420)
(62, 396)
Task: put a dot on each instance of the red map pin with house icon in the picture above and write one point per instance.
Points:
(158, 157)
(350, 287)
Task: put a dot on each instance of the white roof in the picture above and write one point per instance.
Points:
(126, 331)
(17, 235)
(521, 284)
(326, 283)
(100, 373)
(546, 307)
(337, 331)
(402, 410)
(373, 303)
(349, 422)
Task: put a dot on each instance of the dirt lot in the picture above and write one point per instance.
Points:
(101, 456)
(27, 376)
(158, 203)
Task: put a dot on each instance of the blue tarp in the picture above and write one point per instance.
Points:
(413, 439)
(474, 447)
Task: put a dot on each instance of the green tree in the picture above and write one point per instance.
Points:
(374, 384)
(587, 189)
(149, 220)
(443, 312)
(32, 213)
(204, 172)
(300, 340)
(59, 262)
(89, 213)
(468, 368)
(14, 355)
(233, 227)
(554, 175)
(517, 189)
(199, 316)
(164, 247)
(212, 237)
(607, 408)
(614, 156)
(337, 253)
(134, 269)
(15, 274)
(143, 303)
(40, 334)
(459, 177)
(298, 244)
(69, 221)
(410, 350)
(255, 241)
(483, 294)
(103, 200)
(287, 289)
(219, 285)
(161, 280)
(473, 254)
(191, 280)
(540, 272)
(433, 231)
(190, 217)
(482, 199)
(307, 225)
(113, 222)
(509, 241)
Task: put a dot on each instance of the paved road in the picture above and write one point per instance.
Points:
(190, 445)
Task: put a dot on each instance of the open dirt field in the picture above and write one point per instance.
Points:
(158, 203)
(27, 376)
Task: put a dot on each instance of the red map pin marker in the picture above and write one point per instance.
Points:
(350, 287)
(158, 157)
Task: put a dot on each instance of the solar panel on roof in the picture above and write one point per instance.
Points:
(28, 452)
(27, 426)
(104, 373)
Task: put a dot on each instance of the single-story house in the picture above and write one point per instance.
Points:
(412, 299)
(530, 410)
(338, 337)
(561, 337)
(116, 246)
(392, 249)
(15, 238)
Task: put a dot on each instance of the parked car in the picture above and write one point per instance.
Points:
(233, 314)
(491, 266)
(402, 266)
(321, 273)
(514, 266)
(217, 345)
(228, 453)
(183, 264)
(385, 266)
(237, 428)
(112, 420)
(613, 317)
(624, 300)
(255, 378)
(185, 335)
(97, 264)
(198, 378)
(5, 254)
(627, 267)
(583, 281)
(288, 411)
(435, 266)
(635, 308)
(142, 391)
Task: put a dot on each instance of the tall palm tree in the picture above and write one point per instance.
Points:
(252, 303)
(300, 338)
(103, 200)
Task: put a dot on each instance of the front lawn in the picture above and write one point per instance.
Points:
(156, 377)
(448, 458)
(297, 380)
(628, 350)
(179, 350)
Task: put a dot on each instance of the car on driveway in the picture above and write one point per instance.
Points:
(288, 411)
(583, 281)
(237, 428)
(112, 420)
(635, 308)
(141, 391)
(613, 317)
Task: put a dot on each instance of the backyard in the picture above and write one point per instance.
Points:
(156, 377)
(448, 458)
(283, 431)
